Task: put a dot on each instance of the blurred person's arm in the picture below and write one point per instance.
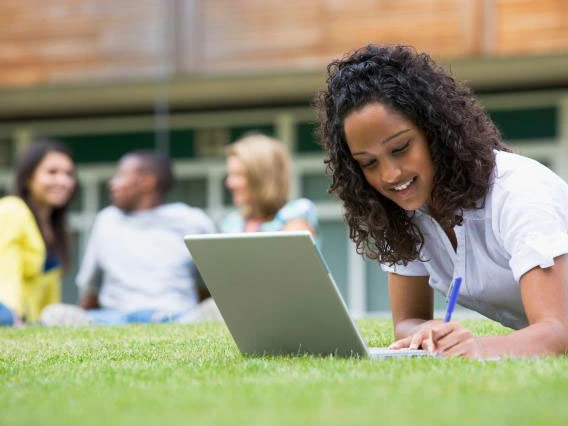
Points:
(90, 299)
(89, 281)
(19, 234)
(299, 225)
(89, 277)
(299, 215)
(205, 224)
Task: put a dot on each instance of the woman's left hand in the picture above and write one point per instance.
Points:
(448, 340)
(453, 339)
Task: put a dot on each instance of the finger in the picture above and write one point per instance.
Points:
(417, 340)
(454, 352)
(442, 330)
(429, 344)
(464, 348)
(401, 343)
(469, 348)
(452, 339)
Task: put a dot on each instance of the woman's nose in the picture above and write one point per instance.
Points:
(390, 171)
(65, 179)
(229, 182)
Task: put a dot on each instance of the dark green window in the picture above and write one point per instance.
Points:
(182, 144)
(526, 124)
(109, 147)
(237, 132)
(307, 139)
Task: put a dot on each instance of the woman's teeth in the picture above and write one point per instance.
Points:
(403, 186)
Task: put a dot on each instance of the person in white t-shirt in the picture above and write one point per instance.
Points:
(136, 268)
(432, 193)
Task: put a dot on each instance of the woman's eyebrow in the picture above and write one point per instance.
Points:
(391, 137)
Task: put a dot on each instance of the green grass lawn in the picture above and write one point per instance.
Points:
(190, 375)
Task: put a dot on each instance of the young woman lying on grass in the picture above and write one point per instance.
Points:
(432, 193)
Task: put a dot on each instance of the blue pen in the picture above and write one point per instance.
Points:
(453, 298)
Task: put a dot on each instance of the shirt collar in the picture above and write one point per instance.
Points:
(479, 213)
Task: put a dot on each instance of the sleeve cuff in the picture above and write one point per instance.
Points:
(412, 269)
(538, 249)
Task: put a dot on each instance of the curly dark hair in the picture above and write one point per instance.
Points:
(460, 136)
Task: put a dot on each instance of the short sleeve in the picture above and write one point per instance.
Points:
(532, 223)
(204, 223)
(301, 208)
(232, 223)
(412, 269)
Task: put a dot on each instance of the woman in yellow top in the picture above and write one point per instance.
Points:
(33, 245)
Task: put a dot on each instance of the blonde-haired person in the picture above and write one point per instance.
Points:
(258, 176)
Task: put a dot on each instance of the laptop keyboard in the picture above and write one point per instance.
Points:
(392, 353)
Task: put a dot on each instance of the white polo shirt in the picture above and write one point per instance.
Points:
(523, 224)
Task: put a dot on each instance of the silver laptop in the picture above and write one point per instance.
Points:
(277, 295)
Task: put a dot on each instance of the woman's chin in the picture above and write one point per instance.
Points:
(410, 206)
(56, 203)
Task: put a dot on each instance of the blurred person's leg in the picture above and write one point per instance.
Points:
(106, 317)
(39, 297)
(204, 312)
(51, 293)
(63, 314)
(7, 317)
(141, 316)
(149, 316)
(70, 315)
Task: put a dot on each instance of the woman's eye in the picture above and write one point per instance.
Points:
(369, 164)
(401, 149)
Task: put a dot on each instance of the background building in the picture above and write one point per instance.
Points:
(188, 76)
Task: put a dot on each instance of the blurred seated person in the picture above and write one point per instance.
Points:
(258, 176)
(33, 243)
(136, 268)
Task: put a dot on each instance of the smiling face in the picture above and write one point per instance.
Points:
(53, 181)
(393, 154)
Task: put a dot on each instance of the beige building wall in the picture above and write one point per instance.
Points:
(81, 41)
